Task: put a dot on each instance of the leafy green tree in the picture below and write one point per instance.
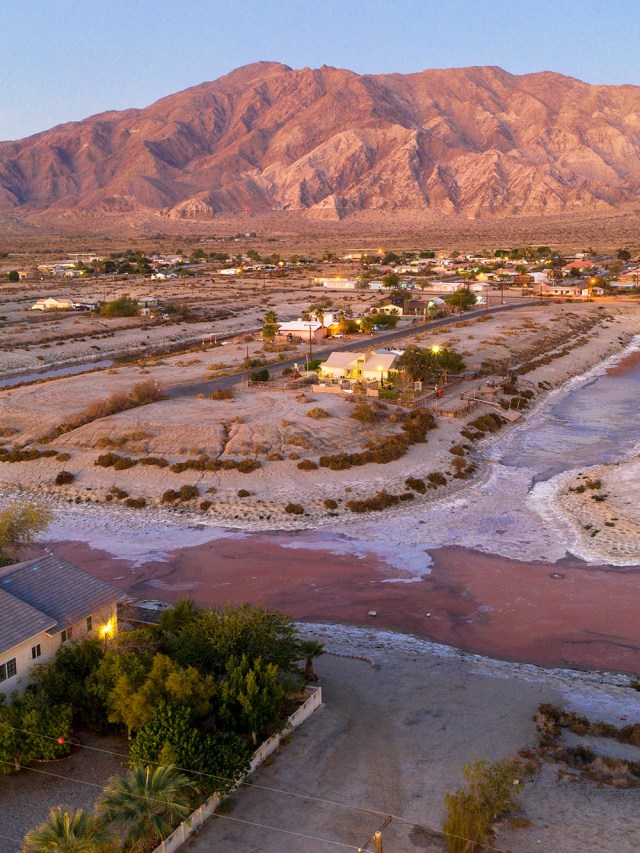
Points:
(461, 299)
(146, 804)
(270, 326)
(310, 650)
(132, 701)
(70, 832)
(13, 276)
(124, 306)
(30, 728)
(390, 280)
(20, 524)
(218, 760)
(624, 255)
(67, 676)
(251, 698)
(211, 637)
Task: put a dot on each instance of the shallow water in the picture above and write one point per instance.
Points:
(55, 372)
(593, 424)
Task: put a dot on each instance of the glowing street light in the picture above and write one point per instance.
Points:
(108, 630)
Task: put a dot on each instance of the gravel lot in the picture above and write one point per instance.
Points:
(26, 797)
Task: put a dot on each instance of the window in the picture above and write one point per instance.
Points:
(89, 623)
(67, 634)
(8, 669)
(35, 651)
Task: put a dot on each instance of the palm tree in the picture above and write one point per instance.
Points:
(70, 832)
(148, 803)
(309, 650)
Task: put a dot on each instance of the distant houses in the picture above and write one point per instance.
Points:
(51, 303)
(44, 603)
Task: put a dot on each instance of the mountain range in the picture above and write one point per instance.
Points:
(329, 143)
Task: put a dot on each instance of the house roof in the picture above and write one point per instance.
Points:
(54, 590)
(300, 325)
(371, 360)
(20, 621)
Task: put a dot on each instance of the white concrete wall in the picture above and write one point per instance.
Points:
(195, 820)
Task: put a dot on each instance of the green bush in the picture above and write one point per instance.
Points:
(188, 493)
(64, 477)
(261, 375)
(472, 811)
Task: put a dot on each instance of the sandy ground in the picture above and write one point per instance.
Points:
(76, 781)
(257, 423)
(392, 740)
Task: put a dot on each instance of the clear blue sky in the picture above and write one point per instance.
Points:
(63, 60)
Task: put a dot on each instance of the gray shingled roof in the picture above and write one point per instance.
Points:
(55, 589)
(19, 621)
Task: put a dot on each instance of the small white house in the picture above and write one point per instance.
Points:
(337, 283)
(52, 304)
(44, 603)
(303, 329)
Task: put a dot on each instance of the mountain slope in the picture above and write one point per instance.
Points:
(476, 141)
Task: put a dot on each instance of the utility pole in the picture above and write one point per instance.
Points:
(378, 840)
(310, 345)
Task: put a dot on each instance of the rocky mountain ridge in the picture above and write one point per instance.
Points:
(328, 142)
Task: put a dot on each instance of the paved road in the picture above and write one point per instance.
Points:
(381, 339)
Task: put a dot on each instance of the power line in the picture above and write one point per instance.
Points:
(309, 797)
(164, 802)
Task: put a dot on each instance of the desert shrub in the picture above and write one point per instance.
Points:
(317, 413)
(28, 454)
(376, 503)
(457, 450)
(120, 494)
(158, 461)
(416, 484)
(330, 503)
(140, 394)
(170, 496)
(307, 465)
(487, 423)
(294, 509)
(63, 457)
(205, 505)
(436, 478)
(188, 493)
(248, 465)
(472, 811)
(221, 394)
(135, 503)
(228, 464)
(364, 413)
(244, 493)
(124, 462)
(64, 477)
(107, 460)
(275, 457)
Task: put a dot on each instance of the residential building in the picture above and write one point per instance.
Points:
(52, 304)
(372, 365)
(337, 283)
(303, 329)
(44, 603)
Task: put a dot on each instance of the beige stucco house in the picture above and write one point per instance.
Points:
(369, 366)
(44, 603)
